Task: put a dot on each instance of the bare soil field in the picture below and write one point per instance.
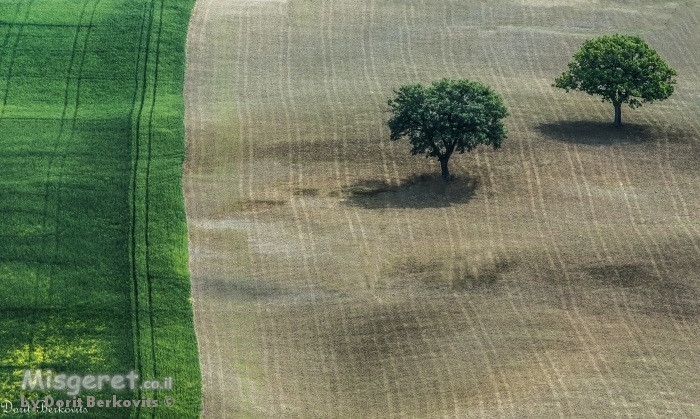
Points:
(336, 276)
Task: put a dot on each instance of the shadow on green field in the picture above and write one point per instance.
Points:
(417, 192)
(595, 132)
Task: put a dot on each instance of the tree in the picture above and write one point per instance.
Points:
(448, 116)
(621, 69)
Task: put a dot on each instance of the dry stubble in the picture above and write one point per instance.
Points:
(334, 275)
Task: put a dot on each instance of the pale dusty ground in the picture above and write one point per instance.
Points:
(336, 276)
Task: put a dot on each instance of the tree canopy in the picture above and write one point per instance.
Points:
(448, 116)
(621, 69)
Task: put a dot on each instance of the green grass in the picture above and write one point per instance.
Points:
(93, 256)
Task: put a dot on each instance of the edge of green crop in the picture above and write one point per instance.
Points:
(164, 337)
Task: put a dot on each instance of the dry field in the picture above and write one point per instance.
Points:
(336, 276)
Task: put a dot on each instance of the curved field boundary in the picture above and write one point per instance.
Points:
(93, 257)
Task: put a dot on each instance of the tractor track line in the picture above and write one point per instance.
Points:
(140, 79)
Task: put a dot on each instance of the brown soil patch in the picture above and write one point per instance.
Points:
(336, 276)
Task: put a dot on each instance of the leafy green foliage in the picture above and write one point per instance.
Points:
(93, 256)
(448, 116)
(619, 68)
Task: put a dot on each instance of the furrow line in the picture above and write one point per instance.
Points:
(271, 404)
(143, 58)
(433, 355)
(268, 400)
(651, 236)
(457, 230)
(558, 254)
(13, 54)
(409, 224)
(134, 117)
(250, 217)
(365, 242)
(511, 295)
(53, 156)
(503, 248)
(242, 47)
(415, 395)
(466, 307)
(369, 52)
(444, 332)
(640, 343)
(5, 42)
(599, 257)
(382, 146)
(305, 235)
(494, 351)
(455, 69)
(54, 159)
(491, 59)
(407, 28)
(490, 223)
(72, 130)
(283, 27)
(333, 100)
(598, 356)
(691, 61)
(319, 317)
(147, 242)
(346, 158)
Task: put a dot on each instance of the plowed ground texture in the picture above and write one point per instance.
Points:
(93, 255)
(336, 276)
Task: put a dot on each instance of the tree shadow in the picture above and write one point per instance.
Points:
(595, 132)
(418, 191)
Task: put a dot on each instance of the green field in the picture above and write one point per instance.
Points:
(93, 256)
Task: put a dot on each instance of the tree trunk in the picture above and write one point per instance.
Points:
(449, 149)
(445, 172)
(618, 115)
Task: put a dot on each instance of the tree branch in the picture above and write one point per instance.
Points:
(435, 148)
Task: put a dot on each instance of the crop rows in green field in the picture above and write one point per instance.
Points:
(93, 256)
